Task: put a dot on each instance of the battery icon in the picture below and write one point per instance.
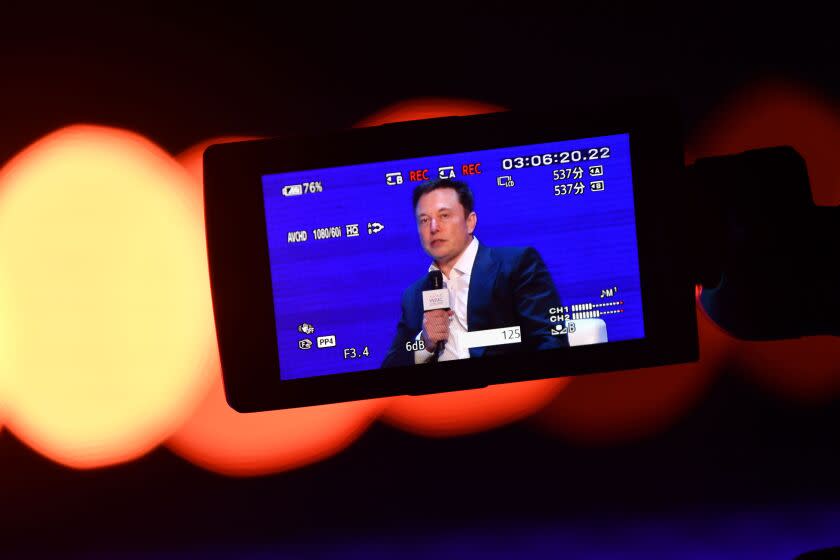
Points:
(292, 190)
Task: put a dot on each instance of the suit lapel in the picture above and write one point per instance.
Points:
(479, 300)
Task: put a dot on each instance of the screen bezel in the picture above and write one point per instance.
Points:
(243, 301)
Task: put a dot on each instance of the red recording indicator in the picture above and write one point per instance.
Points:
(471, 169)
(418, 175)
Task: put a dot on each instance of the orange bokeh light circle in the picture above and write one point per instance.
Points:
(220, 439)
(773, 113)
(7, 345)
(609, 408)
(468, 412)
(104, 289)
(428, 108)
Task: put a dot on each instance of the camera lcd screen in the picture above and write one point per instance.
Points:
(546, 257)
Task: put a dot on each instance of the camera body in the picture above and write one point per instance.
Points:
(561, 238)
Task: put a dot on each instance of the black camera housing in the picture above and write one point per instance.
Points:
(239, 260)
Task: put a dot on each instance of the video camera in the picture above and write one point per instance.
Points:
(455, 253)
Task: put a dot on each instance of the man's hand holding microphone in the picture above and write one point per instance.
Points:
(436, 328)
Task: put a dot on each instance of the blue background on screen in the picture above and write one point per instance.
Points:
(351, 287)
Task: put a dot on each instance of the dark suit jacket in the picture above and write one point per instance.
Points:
(508, 286)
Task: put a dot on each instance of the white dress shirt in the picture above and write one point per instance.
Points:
(458, 284)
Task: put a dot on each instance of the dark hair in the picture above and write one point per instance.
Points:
(465, 196)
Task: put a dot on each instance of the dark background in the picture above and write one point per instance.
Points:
(183, 74)
(744, 474)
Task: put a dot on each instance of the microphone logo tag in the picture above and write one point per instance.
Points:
(435, 299)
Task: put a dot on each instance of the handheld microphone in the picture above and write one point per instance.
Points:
(435, 297)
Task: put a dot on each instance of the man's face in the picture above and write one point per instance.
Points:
(444, 229)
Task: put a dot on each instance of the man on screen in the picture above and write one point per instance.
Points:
(489, 287)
